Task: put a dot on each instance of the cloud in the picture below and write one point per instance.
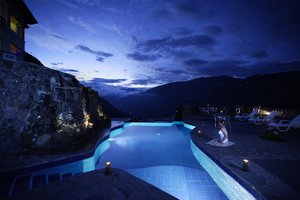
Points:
(194, 62)
(190, 7)
(161, 75)
(75, 4)
(69, 70)
(239, 68)
(57, 63)
(163, 44)
(153, 44)
(47, 38)
(199, 67)
(68, 4)
(169, 47)
(79, 22)
(193, 9)
(183, 31)
(161, 14)
(58, 36)
(104, 80)
(259, 54)
(101, 55)
(175, 72)
(234, 28)
(143, 81)
(143, 57)
(194, 40)
(213, 30)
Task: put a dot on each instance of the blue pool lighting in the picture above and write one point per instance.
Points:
(161, 154)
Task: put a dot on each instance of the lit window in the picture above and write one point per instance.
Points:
(14, 24)
(13, 49)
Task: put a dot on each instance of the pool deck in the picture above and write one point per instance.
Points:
(97, 185)
(274, 166)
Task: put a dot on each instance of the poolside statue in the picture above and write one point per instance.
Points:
(223, 140)
(223, 132)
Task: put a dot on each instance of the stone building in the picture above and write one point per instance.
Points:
(15, 17)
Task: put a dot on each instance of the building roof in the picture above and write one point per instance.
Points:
(28, 16)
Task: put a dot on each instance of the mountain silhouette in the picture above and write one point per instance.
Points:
(279, 90)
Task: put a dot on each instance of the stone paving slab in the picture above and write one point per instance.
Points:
(96, 185)
(269, 179)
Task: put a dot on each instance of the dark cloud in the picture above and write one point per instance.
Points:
(193, 9)
(100, 55)
(234, 28)
(239, 68)
(194, 62)
(143, 57)
(160, 14)
(199, 41)
(104, 80)
(134, 38)
(70, 70)
(153, 45)
(100, 59)
(183, 31)
(176, 71)
(189, 7)
(58, 36)
(285, 18)
(57, 63)
(178, 53)
(259, 54)
(143, 81)
(195, 40)
(216, 68)
(213, 30)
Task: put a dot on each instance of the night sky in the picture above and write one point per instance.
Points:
(145, 43)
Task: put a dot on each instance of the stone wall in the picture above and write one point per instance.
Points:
(44, 108)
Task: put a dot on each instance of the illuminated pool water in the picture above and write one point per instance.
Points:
(163, 155)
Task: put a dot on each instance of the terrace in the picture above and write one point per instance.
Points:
(272, 166)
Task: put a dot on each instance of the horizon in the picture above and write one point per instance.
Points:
(132, 45)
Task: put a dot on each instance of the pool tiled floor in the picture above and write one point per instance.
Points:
(181, 182)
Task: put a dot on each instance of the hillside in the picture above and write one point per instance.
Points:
(270, 90)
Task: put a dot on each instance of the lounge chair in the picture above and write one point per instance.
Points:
(245, 116)
(285, 125)
(263, 119)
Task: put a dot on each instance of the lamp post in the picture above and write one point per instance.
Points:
(245, 165)
(108, 169)
(198, 132)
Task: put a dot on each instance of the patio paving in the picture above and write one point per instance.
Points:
(274, 166)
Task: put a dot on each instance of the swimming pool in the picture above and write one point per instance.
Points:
(159, 153)
(164, 155)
